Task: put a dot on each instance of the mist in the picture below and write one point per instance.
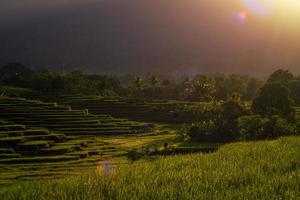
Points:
(131, 36)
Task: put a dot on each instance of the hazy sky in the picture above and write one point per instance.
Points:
(168, 36)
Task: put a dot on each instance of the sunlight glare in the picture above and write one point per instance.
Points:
(267, 7)
(241, 17)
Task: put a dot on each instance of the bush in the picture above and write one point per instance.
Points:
(203, 131)
(15, 91)
(251, 127)
(257, 127)
(221, 127)
(274, 99)
(15, 74)
(297, 128)
(227, 120)
(134, 155)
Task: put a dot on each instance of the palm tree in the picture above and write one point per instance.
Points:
(154, 81)
(138, 83)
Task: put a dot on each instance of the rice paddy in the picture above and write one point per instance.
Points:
(252, 170)
(74, 147)
(37, 137)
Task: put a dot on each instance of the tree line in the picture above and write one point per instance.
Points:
(198, 88)
(271, 114)
(58, 83)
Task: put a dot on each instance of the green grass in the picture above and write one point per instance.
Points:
(14, 91)
(62, 118)
(9, 155)
(253, 170)
(33, 143)
(152, 111)
(7, 150)
(38, 159)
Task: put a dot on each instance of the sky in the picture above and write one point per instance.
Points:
(152, 36)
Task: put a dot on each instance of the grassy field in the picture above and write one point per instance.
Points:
(252, 170)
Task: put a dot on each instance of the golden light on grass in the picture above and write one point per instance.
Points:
(104, 167)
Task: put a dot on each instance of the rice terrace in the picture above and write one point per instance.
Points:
(149, 100)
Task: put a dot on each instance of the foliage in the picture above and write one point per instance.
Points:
(232, 122)
(274, 99)
(228, 85)
(280, 76)
(198, 88)
(203, 131)
(15, 74)
(294, 87)
(256, 127)
(227, 120)
(134, 155)
(252, 88)
(221, 127)
(59, 83)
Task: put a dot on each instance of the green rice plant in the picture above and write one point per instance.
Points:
(9, 155)
(7, 150)
(39, 159)
(252, 170)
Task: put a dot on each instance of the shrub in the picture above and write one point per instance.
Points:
(203, 131)
(274, 99)
(257, 127)
(251, 127)
(222, 127)
(297, 128)
(227, 120)
(134, 155)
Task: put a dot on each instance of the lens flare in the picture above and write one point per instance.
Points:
(241, 17)
(261, 7)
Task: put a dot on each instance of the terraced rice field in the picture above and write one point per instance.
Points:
(297, 112)
(159, 111)
(63, 118)
(39, 139)
(45, 139)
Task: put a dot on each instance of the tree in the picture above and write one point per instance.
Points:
(226, 86)
(274, 99)
(136, 90)
(203, 131)
(294, 87)
(15, 74)
(166, 82)
(201, 88)
(257, 127)
(251, 127)
(138, 83)
(281, 76)
(252, 88)
(75, 83)
(222, 126)
(154, 81)
(227, 120)
(154, 89)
